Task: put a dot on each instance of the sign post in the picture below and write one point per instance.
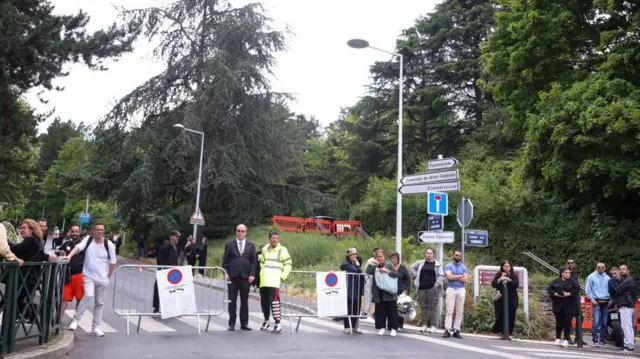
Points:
(464, 217)
(331, 293)
(197, 218)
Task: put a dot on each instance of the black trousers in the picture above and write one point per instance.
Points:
(240, 285)
(353, 308)
(156, 299)
(386, 311)
(563, 324)
(270, 303)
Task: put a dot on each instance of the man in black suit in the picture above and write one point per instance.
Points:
(167, 256)
(239, 260)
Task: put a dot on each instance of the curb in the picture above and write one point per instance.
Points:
(413, 330)
(252, 295)
(59, 348)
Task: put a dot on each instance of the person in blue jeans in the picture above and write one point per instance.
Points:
(598, 293)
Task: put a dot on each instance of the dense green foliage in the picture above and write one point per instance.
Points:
(539, 100)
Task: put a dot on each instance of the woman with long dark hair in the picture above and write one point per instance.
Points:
(563, 292)
(505, 277)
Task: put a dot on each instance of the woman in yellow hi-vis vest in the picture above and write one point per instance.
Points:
(275, 266)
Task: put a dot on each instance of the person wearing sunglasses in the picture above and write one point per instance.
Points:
(239, 261)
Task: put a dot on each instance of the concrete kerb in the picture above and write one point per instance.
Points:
(416, 330)
(254, 296)
(59, 347)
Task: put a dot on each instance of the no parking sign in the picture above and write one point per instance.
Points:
(176, 292)
(331, 293)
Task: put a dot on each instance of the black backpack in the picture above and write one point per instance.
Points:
(106, 246)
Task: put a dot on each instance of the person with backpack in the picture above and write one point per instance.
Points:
(99, 264)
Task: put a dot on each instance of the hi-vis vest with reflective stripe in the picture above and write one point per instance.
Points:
(275, 265)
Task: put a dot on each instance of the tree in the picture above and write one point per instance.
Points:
(58, 133)
(35, 47)
(217, 58)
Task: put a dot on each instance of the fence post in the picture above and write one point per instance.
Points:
(9, 315)
(9, 298)
(45, 307)
(505, 311)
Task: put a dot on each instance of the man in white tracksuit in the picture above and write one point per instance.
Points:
(99, 264)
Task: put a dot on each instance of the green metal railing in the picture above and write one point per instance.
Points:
(30, 302)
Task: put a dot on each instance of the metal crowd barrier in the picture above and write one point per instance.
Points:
(299, 294)
(30, 302)
(134, 289)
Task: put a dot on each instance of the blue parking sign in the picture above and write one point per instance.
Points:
(438, 203)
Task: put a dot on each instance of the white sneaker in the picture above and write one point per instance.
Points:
(558, 342)
(97, 332)
(73, 325)
(424, 329)
(381, 331)
(565, 343)
(432, 329)
(393, 333)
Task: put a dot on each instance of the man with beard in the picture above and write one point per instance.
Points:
(74, 287)
(456, 274)
(626, 296)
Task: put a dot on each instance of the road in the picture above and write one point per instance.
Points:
(317, 338)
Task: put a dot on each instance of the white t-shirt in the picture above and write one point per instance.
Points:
(96, 260)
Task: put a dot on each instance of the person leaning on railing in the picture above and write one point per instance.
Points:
(5, 250)
(31, 249)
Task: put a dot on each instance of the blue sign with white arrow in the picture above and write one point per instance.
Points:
(438, 203)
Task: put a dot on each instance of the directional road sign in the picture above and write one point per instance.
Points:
(435, 223)
(436, 237)
(85, 218)
(438, 203)
(431, 177)
(197, 218)
(465, 212)
(435, 187)
(442, 164)
(476, 238)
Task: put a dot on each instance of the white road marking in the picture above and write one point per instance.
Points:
(457, 344)
(193, 321)
(259, 318)
(86, 322)
(147, 324)
(572, 353)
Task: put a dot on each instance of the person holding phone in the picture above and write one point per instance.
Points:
(562, 292)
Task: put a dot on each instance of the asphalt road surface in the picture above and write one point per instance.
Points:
(316, 338)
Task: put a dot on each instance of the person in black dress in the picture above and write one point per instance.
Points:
(202, 256)
(505, 277)
(167, 256)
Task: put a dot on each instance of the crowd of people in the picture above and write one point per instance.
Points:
(90, 257)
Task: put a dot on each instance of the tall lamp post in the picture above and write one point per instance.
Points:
(362, 44)
(195, 226)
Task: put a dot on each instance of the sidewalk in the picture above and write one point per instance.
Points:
(56, 348)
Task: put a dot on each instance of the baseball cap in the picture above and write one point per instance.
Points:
(174, 233)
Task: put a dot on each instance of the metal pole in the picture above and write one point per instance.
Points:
(440, 260)
(195, 226)
(86, 208)
(505, 312)
(464, 199)
(64, 221)
(42, 214)
(399, 184)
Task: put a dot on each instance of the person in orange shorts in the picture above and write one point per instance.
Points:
(74, 287)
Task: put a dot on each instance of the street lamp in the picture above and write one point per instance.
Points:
(195, 226)
(363, 44)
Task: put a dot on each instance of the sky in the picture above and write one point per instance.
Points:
(319, 68)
